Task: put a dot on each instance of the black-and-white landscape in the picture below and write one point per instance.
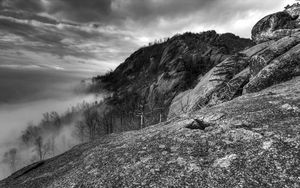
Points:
(149, 93)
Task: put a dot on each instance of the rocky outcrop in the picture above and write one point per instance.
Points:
(277, 70)
(251, 141)
(277, 25)
(220, 84)
(159, 72)
(270, 62)
(274, 26)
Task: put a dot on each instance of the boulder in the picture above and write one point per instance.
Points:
(274, 27)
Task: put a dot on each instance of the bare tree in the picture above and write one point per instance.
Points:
(121, 113)
(80, 131)
(91, 120)
(42, 148)
(106, 122)
(110, 122)
(10, 158)
(30, 134)
(56, 123)
(140, 112)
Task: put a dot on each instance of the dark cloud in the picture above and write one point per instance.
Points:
(25, 15)
(75, 10)
(113, 11)
(149, 12)
(153, 9)
(81, 11)
(67, 43)
(117, 11)
(109, 30)
(27, 5)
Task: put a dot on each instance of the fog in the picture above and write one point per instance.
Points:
(26, 94)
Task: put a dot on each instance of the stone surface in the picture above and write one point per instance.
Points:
(275, 26)
(228, 76)
(249, 71)
(280, 69)
(263, 58)
(230, 89)
(253, 142)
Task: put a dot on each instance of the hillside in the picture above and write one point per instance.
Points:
(251, 141)
(232, 116)
(152, 76)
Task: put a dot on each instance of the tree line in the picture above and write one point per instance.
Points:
(82, 123)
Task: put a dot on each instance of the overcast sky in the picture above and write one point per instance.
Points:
(96, 35)
(48, 46)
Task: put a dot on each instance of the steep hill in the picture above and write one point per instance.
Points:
(235, 124)
(251, 141)
(152, 76)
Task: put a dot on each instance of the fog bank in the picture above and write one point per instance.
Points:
(26, 94)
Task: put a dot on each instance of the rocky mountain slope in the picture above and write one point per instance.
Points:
(251, 141)
(273, 60)
(154, 75)
(235, 125)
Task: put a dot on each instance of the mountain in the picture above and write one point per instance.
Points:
(152, 76)
(232, 117)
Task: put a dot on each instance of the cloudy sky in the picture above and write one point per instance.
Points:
(48, 46)
(96, 35)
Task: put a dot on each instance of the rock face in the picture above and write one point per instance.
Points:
(238, 127)
(251, 141)
(226, 76)
(274, 60)
(277, 25)
(156, 74)
(274, 26)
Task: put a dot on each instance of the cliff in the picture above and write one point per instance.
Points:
(235, 124)
(273, 60)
